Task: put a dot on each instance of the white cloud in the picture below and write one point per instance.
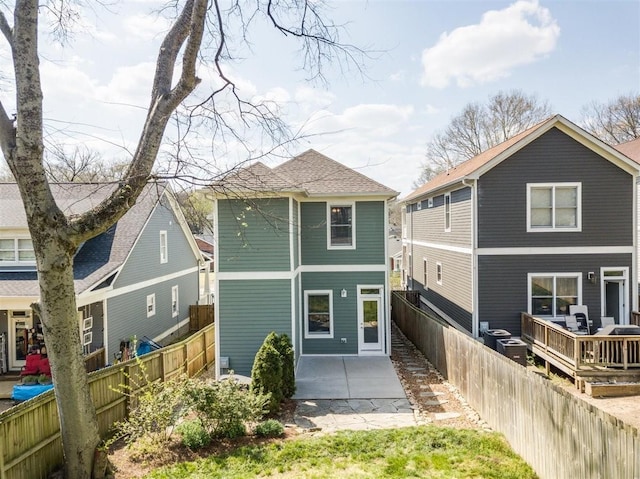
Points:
(375, 120)
(146, 27)
(520, 34)
(313, 98)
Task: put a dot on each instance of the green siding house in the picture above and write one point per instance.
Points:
(301, 250)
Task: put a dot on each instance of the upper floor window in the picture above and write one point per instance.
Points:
(164, 249)
(17, 250)
(551, 294)
(439, 273)
(447, 212)
(554, 207)
(341, 224)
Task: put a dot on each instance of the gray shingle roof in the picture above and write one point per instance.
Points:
(310, 173)
(97, 258)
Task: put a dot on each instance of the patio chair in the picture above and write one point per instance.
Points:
(572, 323)
(607, 321)
(31, 365)
(581, 312)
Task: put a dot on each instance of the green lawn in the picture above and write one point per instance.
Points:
(418, 452)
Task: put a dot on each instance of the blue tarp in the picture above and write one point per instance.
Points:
(23, 392)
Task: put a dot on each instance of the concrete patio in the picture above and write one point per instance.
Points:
(347, 377)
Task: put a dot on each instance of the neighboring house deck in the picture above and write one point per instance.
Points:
(136, 279)
(301, 249)
(542, 221)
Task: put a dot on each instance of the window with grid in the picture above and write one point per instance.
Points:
(552, 294)
(17, 250)
(341, 226)
(554, 207)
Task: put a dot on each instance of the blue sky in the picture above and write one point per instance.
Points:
(431, 59)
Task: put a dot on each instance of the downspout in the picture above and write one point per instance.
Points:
(475, 314)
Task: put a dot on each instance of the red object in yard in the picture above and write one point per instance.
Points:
(32, 365)
(44, 367)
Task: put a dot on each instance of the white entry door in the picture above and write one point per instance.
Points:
(370, 319)
(614, 294)
(19, 328)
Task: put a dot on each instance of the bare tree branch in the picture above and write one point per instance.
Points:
(6, 30)
(479, 127)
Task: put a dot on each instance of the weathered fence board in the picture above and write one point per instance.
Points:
(553, 430)
(200, 315)
(30, 442)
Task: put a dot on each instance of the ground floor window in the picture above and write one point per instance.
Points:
(318, 314)
(551, 294)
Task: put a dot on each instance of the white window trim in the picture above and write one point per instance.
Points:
(353, 225)
(151, 301)
(164, 247)
(447, 213)
(16, 252)
(307, 334)
(530, 276)
(175, 297)
(439, 273)
(554, 229)
(425, 273)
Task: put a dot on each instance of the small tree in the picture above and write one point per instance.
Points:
(266, 374)
(285, 348)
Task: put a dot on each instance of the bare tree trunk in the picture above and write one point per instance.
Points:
(58, 313)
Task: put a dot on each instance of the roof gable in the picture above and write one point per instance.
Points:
(102, 255)
(480, 164)
(310, 173)
(320, 175)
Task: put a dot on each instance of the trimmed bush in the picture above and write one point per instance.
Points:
(266, 374)
(285, 348)
(194, 435)
(269, 428)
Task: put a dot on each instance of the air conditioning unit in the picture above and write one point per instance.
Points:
(21, 314)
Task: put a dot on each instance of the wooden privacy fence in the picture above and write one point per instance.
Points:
(30, 440)
(558, 434)
(201, 315)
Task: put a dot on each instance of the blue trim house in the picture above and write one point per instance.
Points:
(545, 220)
(301, 249)
(138, 278)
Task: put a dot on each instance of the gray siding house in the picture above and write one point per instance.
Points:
(301, 249)
(138, 278)
(542, 221)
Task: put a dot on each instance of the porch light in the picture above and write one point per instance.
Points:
(343, 293)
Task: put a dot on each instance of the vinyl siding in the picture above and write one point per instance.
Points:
(454, 295)
(607, 196)
(428, 223)
(370, 235)
(503, 289)
(127, 313)
(345, 310)
(253, 236)
(144, 261)
(248, 311)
